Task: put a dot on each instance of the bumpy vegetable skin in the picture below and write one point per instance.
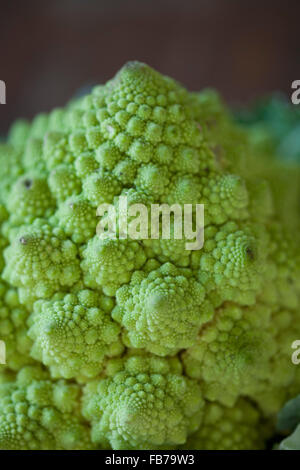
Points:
(142, 344)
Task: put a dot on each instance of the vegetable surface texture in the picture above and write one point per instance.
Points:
(142, 343)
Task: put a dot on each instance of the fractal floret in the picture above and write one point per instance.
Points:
(145, 342)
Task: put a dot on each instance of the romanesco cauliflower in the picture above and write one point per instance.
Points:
(142, 343)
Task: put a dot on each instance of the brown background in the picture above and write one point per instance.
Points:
(51, 48)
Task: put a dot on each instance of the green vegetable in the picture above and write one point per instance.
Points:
(288, 422)
(144, 344)
(275, 123)
(143, 399)
(37, 413)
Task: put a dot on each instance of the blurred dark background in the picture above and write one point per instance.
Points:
(49, 49)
